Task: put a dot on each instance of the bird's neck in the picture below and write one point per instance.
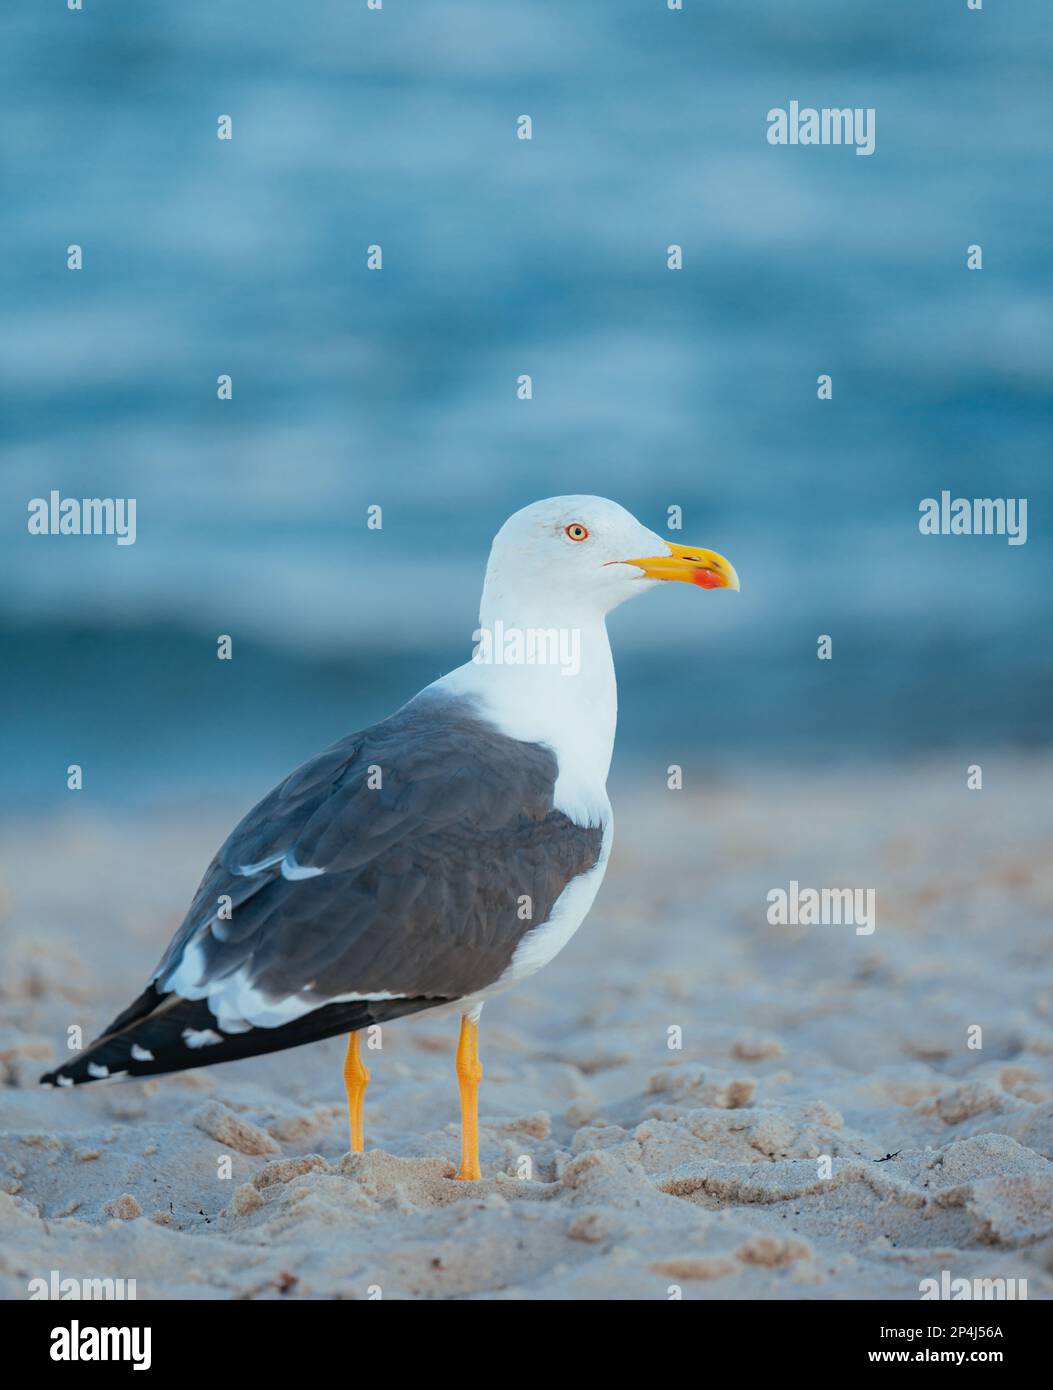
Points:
(553, 684)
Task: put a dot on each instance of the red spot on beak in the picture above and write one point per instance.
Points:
(707, 579)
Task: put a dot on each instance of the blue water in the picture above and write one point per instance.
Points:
(695, 388)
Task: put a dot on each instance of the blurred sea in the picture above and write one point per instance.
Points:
(501, 257)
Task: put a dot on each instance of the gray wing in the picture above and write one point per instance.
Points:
(409, 888)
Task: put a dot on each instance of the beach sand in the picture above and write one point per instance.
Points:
(617, 1165)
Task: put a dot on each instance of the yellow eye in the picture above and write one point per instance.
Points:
(577, 532)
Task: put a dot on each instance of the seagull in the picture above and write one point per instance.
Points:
(431, 860)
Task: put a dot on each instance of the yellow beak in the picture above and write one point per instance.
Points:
(690, 565)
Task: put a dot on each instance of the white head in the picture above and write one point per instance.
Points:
(576, 558)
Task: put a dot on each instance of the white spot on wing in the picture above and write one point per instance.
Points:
(97, 1070)
(200, 1037)
(141, 1054)
(64, 1080)
(232, 1023)
(290, 869)
(185, 977)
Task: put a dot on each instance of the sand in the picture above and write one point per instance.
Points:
(617, 1165)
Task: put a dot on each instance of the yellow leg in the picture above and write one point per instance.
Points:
(356, 1079)
(469, 1074)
